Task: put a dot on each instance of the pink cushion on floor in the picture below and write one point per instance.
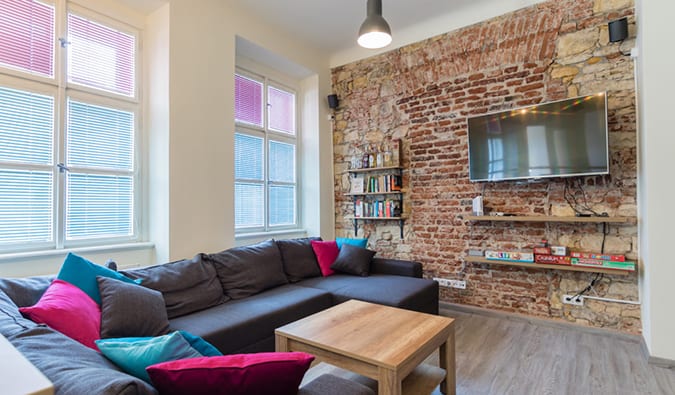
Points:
(67, 309)
(326, 252)
(278, 373)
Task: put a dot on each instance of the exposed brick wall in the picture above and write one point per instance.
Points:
(423, 94)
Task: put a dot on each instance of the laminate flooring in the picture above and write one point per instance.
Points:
(504, 355)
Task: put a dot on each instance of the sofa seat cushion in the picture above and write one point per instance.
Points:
(187, 286)
(73, 368)
(398, 291)
(233, 325)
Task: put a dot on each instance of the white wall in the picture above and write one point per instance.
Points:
(656, 82)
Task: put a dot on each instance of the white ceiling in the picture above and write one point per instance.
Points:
(331, 26)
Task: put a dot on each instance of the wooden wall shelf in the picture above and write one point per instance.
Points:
(479, 259)
(373, 169)
(549, 218)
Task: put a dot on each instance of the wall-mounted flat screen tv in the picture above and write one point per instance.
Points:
(558, 139)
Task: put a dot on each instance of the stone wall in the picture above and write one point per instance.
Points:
(423, 94)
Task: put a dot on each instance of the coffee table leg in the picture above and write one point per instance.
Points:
(446, 355)
(281, 343)
(389, 382)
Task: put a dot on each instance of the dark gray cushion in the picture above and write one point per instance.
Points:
(298, 258)
(246, 271)
(75, 369)
(25, 291)
(130, 310)
(353, 260)
(406, 292)
(328, 384)
(234, 326)
(11, 320)
(187, 286)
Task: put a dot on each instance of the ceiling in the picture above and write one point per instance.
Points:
(332, 26)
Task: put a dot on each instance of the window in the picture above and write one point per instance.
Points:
(265, 149)
(68, 165)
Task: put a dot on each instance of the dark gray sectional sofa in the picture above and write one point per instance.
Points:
(234, 299)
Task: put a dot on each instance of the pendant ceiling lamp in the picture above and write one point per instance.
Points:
(374, 32)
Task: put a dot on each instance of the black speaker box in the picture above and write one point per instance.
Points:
(333, 101)
(618, 30)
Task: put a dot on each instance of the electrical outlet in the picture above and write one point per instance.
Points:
(573, 300)
(450, 283)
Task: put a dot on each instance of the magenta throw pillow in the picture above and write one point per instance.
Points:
(278, 373)
(326, 252)
(67, 309)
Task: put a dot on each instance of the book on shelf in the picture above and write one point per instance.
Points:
(605, 264)
(357, 184)
(552, 259)
(377, 208)
(604, 257)
(512, 256)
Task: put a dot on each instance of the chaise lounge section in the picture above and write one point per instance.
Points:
(233, 299)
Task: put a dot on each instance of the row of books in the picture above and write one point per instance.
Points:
(376, 184)
(587, 259)
(377, 208)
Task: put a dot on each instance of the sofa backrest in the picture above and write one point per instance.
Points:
(187, 285)
(25, 291)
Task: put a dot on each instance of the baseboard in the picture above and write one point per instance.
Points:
(451, 308)
(656, 361)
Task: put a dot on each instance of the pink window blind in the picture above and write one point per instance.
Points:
(27, 36)
(101, 57)
(248, 100)
(281, 110)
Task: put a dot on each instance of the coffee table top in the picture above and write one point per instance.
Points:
(382, 335)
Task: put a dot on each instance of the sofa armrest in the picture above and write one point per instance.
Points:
(396, 267)
(328, 384)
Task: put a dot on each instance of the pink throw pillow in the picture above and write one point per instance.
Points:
(326, 253)
(67, 309)
(278, 373)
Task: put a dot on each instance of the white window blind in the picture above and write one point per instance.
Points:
(26, 176)
(99, 140)
(265, 156)
(77, 186)
(27, 36)
(100, 57)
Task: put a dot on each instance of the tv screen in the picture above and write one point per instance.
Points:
(558, 139)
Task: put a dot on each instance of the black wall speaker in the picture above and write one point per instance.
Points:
(618, 30)
(333, 101)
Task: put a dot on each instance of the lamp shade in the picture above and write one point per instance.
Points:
(375, 31)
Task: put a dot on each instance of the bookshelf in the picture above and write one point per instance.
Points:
(532, 265)
(377, 182)
(549, 218)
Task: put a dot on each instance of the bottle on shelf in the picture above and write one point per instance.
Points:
(366, 160)
(371, 157)
(379, 158)
(387, 156)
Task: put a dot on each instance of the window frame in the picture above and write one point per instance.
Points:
(269, 135)
(62, 91)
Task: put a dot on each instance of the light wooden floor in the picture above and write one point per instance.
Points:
(497, 355)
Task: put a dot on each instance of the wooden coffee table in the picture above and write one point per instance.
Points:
(380, 342)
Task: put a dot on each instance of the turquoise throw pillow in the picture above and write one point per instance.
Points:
(205, 348)
(355, 242)
(134, 354)
(82, 273)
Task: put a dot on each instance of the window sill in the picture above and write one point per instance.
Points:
(77, 250)
(286, 233)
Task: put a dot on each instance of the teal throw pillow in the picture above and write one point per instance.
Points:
(355, 242)
(205, 348)
(82, 273)
(134, 354)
